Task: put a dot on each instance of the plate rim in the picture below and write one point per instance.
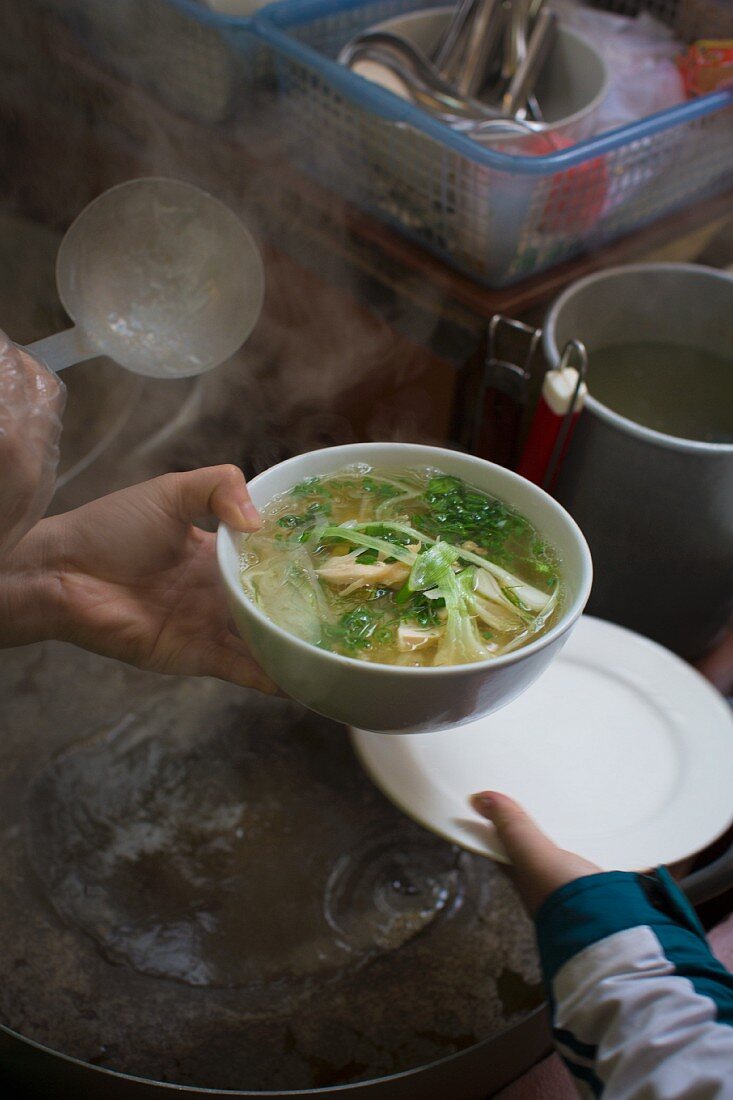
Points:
(490, 848)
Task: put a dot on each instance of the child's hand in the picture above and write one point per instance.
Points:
(539, 866)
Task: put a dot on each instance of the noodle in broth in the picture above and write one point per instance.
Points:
(401, 566)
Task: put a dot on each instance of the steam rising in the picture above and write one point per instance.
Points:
(319, 369)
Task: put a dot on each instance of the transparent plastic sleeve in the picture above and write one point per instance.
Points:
(32, 401)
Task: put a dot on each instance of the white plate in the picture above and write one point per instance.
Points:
(621, 752)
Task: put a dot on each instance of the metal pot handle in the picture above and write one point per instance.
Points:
(712, 880)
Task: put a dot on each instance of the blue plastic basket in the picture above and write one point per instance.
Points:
(495, 216)
(206, 66)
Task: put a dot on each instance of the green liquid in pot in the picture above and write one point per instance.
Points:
(685, 392)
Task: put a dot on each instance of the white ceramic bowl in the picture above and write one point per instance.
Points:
(388, 698)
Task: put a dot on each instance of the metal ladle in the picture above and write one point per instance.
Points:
(535, 51)
(419, 68)
(158, 275)
(480, 42)
(450, 50)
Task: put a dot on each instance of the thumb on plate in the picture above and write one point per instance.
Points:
(539, 865)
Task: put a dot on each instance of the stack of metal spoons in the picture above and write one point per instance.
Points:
(481, 76)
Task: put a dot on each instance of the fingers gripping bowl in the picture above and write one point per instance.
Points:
(393, 698)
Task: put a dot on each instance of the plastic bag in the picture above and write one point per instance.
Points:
(640, 54)
(32, 401)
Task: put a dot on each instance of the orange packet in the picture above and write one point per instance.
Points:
(707, 66)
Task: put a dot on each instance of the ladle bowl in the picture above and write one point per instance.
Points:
(158, 275)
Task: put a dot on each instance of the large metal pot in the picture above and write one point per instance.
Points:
(473, 1074)
(341, 940)
(101, 745)
(657, 510)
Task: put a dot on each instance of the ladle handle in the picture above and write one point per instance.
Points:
(479, 46)
(529, 68)
(63, 349)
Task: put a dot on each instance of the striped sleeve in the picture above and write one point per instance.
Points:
(641, 1008)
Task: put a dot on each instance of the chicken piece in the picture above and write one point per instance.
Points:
(352, 575)
(411, 638)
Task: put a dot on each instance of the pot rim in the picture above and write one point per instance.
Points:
(531, 1019)
(603, 412)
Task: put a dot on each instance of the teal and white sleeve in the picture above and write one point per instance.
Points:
(641, 1008)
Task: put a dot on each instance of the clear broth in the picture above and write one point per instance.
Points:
(282, 567)
(681, 391)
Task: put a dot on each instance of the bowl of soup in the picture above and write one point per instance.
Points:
(403, 588)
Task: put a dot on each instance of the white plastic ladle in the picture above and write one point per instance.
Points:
(159, 276)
